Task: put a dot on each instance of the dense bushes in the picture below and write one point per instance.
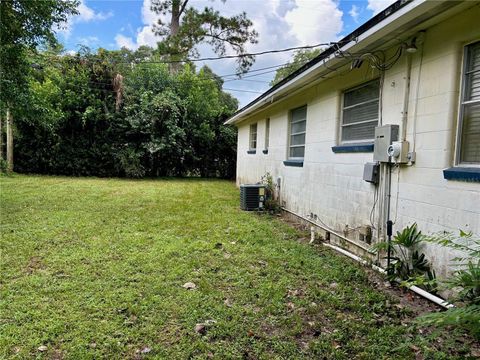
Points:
(78, 121)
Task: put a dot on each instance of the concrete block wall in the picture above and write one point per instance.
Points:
(330, 184)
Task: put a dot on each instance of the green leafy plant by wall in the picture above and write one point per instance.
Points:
(465, 281)
(407, 262)
(271, 202)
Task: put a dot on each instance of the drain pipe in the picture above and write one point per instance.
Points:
(406, 97)
(433, 298)
(333, 232)
(355, 257)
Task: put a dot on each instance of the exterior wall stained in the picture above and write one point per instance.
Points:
(330, 184)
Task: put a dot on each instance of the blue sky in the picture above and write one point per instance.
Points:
(112, 24)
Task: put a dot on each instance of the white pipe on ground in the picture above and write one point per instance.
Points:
(354, 257)
(433, 298)
(312, 235)
(329, 230)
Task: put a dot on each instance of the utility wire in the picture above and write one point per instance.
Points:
(241, 90)
(85, 86)
(239, 55)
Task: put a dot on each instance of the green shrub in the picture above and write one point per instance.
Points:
(466, 281)
(407, 262)
(3, 166)
(271, 202)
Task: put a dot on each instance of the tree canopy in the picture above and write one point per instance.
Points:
(188, 27)
(300, 58)
(166, 124)
(116, 113)
(24, 25)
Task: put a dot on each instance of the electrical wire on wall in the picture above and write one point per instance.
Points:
(417, 90)
(372, 212)
(377, 59)
(397, 166)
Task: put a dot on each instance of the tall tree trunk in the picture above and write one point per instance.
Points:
(9, 140)
(174, 67)
(175, 20)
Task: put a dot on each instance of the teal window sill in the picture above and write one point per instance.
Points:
(294, 163)
(462, 174)
(351, 148)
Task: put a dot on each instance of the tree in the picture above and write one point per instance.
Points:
(189, 27)
(24, 25)
(165, 124)
(300, 58)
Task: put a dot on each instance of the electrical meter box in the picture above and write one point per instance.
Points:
(370, 172)
(398, 152)
(384, 137)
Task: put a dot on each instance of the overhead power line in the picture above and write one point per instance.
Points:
(240, 55)
(241, 90)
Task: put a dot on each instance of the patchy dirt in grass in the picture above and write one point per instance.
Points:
(34, 264)
(406, 299)
(406, 303)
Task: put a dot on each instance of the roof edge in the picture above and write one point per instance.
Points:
(384, 14)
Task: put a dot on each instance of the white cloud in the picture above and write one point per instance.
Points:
(315, 22)
(378, 5)
(280, 24)
(354, 13)
(85, 15)
(124, 41)
(89, 41)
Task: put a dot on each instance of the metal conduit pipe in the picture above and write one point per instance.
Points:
(433, 298)
(329, 230)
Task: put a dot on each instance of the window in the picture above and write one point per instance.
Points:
(267, 133)
(298, 123)
(469, 123)
(253, 136)
(360, 112)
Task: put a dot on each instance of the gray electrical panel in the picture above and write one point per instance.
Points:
(384, 136)
(370, 172)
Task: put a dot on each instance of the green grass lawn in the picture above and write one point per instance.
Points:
(94, 268)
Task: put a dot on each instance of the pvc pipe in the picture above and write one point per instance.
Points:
(355, 257)
(406, 97)
(329, 230)
(433, 298)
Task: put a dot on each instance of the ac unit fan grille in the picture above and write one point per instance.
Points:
(252, 197)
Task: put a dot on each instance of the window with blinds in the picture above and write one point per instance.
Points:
(253, 136)
(360, 112)
(298, 127)
(470, 107)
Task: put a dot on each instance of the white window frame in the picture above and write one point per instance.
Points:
(461, 103)
(298, 133)
(342, 108)
(251, 138)
(267, 134)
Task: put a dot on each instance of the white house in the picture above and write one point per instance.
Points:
(415, 65)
